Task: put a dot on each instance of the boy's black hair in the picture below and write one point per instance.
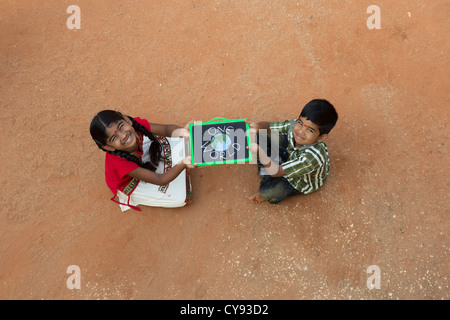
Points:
(98, 132)
(322, 113)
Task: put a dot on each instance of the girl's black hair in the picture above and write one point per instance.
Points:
(98, 132)
(322, 113)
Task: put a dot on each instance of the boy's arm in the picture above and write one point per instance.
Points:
(274, 169)
(258, 125)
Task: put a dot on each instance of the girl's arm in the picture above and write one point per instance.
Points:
(164, 178)
(165, 130)
(171, 130)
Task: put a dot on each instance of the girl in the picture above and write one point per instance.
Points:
(143, 165)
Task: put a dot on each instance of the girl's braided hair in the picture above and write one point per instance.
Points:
(98, 132)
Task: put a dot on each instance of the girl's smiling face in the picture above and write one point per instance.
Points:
(121, 136)
(306, 132)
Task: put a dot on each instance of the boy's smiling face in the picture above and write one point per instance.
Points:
(306, 132)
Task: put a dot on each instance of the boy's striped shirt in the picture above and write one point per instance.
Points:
(307, 166)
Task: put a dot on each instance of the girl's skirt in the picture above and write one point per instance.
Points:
(173, 195)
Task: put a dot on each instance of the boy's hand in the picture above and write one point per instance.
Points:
(253, 148)
(253, 125)
(253, 130)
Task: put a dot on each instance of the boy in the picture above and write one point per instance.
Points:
(303, 163)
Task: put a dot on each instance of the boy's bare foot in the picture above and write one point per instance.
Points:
(256, 198)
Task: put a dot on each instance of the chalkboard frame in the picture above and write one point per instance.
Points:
(216, 122)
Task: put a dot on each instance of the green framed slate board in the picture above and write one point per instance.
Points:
(219, 141)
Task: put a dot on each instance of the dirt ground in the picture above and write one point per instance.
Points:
(384, 204)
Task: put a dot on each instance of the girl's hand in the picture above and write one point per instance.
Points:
(184, 132)
(187, 162)
(192, 121)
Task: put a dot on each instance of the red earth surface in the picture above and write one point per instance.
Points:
(384, 204)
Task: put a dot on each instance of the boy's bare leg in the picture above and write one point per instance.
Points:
(256, 198)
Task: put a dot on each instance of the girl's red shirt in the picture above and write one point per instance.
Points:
(117, 168)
